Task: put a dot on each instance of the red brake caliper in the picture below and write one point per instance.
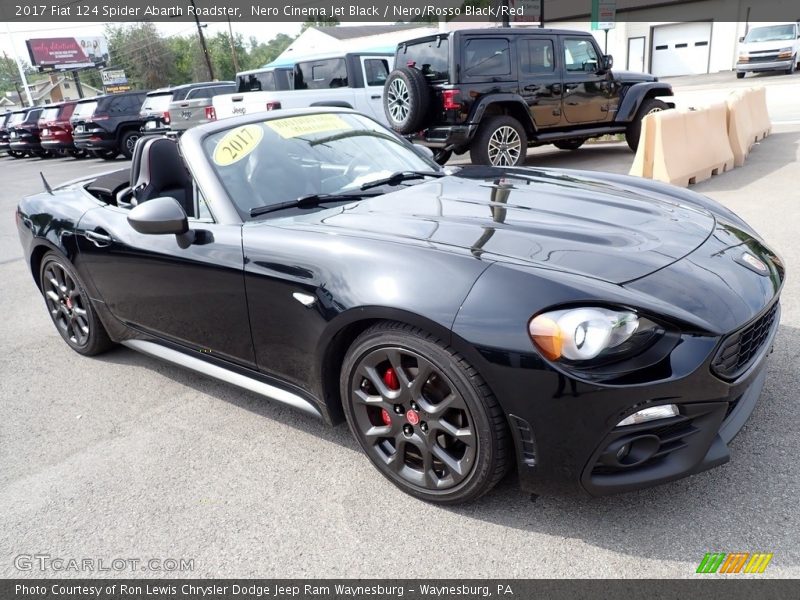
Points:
(390, 379)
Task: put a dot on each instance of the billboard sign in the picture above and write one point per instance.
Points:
(68, 52)
(114, 77)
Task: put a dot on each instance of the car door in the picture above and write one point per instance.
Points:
(588, 93)
(375, 70)
(540, 79)
(191, 296)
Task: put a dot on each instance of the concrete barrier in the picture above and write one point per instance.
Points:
(757, 101)
(684, 147)
(740, 126)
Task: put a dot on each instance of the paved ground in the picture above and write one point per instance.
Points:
(126, 457)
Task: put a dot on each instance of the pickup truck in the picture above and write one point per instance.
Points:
(351, 80)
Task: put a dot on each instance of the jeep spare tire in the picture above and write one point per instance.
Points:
(406, 100)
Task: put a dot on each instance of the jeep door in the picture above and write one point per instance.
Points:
(540, 80)
(589, 94)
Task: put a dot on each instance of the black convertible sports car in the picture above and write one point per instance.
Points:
(602, 333)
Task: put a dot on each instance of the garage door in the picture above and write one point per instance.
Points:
(681, 49)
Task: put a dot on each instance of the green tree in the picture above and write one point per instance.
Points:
(141, 50)
(260, 54)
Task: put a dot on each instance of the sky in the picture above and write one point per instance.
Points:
(23, 31)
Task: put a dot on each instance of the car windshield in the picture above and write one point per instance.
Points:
(84, 109)
(771, 33)
(157, 102)
(50, 114)
(280, 160)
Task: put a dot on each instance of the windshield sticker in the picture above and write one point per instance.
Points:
(297, 126)
(237, 144)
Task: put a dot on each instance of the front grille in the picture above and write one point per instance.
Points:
(740, 348)
(764, 58)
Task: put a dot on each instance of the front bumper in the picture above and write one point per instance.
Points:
(778, 65)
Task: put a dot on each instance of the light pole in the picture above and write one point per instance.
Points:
(19, 66)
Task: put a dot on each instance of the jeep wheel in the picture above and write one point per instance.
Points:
(406, 100)
(500, 142)
(570, 144)
(441, 156)
(649, 106)
(128, 143)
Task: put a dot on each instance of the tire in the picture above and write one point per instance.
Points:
(791, 69)
(105, 154)
(441, 156)
(16, 154)
(420, 453)
(501, 141)
(634, 131)
(77, 154)
(69, 307)
(406, 100)
(570, 144)
(740, 74)
(128, 142)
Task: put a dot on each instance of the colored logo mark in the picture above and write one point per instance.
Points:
(736, 562)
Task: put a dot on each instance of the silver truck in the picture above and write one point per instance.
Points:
(195, 107)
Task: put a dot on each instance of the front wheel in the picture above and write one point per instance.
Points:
(128, 143)
(441, 156)
(423, 415)
(70, 308)
(501, 141)
(634, 131)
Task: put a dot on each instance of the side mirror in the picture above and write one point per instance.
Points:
(606, 62)
(159, 216)
(741, 39)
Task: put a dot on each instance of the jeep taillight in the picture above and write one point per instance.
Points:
(451, 100)
(165, 116)
(211, 114)
(273, 105)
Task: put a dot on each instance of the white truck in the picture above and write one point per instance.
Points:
(350, 80)
(774, 47)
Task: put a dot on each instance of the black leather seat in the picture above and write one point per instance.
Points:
(161, 172)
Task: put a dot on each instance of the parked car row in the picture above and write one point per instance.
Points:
(106, 126)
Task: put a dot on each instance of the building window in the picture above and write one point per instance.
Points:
(66, 85)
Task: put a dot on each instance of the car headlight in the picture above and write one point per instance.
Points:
(586, 333)
(785, 52)
(744, 58)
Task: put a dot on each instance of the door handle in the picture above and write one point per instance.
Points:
(376, 97)
(101, 240)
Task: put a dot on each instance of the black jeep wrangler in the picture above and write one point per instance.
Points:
(495, 92)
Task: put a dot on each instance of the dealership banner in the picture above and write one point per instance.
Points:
(68, 52)
(391, 589)
(374, 11)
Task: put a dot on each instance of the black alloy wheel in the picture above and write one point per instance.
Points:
(423, 416)
(70, 309)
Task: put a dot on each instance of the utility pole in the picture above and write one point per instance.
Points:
(541, 15)
(19, 67)
(233, 48)
(203, 43)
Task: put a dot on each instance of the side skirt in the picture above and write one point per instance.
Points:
(238, 379)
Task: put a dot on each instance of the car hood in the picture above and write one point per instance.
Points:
(549, 219)
(633, 76)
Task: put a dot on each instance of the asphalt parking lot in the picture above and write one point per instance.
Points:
(122, 456)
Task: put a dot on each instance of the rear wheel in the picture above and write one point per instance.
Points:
(70, 308)
(570, 144)
(423, 415)
(501, 141)
(16, 153)
(634, 131)
(441, 156)
(105, 154)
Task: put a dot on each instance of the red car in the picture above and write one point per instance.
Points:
(56, 130)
